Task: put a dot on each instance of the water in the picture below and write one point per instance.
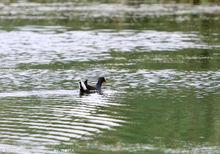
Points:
(162, 69)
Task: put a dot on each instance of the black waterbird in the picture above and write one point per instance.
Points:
(85, 88)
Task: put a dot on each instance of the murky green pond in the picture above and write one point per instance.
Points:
(161, 62)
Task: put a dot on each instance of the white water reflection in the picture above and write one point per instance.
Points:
(41, 93)
(66, 10)
(43, 45)
(148, 148)
(18, 149)
(151, 81)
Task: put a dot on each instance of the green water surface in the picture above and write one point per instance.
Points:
(158, 98)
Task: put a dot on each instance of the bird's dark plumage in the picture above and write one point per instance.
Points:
(88, 86)
(85, 88)
(99, 84)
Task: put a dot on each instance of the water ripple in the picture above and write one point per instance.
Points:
(54, 120)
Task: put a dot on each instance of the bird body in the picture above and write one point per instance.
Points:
(88, 86)
(85, 88)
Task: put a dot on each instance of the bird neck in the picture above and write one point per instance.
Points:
(98, 86)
